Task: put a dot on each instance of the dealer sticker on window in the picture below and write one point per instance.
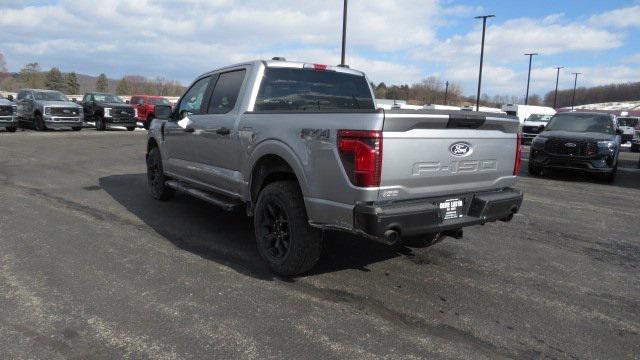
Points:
(452, 208)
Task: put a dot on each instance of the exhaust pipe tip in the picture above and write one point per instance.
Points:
(392, 237)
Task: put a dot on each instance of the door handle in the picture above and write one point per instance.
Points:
(189, 130)
(223, 131)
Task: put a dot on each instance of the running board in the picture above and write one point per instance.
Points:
(219, 201)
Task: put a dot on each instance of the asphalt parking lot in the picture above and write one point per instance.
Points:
(92, 267)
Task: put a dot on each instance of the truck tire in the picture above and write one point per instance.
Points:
(130, 128)
(286, 241)
(100, 124)
(12, 129)
(156, 177)
(422, 241)
(76, 128)
(534, 170)
(38, 123)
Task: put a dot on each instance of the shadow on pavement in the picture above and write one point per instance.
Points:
(227, 238)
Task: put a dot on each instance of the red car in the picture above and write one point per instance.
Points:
(145, 107)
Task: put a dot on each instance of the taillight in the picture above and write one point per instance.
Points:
(518, 163)
(361, 155)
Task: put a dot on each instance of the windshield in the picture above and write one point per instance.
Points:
(159, 101)
(539, 118)
(628, 121)
(50, 96)
(308, 90)
(107, 98)
(581, 123)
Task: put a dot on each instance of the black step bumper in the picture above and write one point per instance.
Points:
(424, 216)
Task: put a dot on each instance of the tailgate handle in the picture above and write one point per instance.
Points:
(465, 122)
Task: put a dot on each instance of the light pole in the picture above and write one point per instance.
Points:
(446, 92)
(344, 32)
(526, 98)
(484, 28)
(575, 84)
(555, 96)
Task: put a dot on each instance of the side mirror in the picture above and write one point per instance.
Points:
(10, 97)
(163, 112)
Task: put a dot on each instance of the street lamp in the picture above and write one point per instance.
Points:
(446, 92)
(575, 84)
(526, 98)
(555, 96)
(344, 32)
(484, 28)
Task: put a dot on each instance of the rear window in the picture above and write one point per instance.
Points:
(308, 90)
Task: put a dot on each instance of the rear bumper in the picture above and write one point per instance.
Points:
(424, 216)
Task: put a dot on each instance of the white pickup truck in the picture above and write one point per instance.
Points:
(301, 147)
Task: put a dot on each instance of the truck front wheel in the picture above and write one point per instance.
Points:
(286, 241)
(38, 123)
(156, 177)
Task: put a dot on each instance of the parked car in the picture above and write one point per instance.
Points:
(301, 147)
(635, 142)
(534, 125)
(145, 107)
(107, 110)
(523, 112)
(628, 126)
(582, 141)
(48, 109)
(8, 112)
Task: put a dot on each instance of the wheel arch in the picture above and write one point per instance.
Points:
(268, 169)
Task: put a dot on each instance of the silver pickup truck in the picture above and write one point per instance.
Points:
(48, 109)
(302, 148)
(8, 119)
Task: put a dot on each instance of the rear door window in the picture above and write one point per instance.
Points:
(309, 90)
(226, 92)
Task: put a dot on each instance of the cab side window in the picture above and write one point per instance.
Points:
(86, 98)
(225, 95)
(191, 102)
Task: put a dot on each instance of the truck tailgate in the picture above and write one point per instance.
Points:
(427, 154)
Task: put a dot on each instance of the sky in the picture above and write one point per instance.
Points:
(393, 41)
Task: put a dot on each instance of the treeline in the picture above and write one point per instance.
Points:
(428, 91)
(597, 94)
(432, 90)
(31, 76)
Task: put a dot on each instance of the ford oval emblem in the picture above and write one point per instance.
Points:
(460, 149)
(571, 145)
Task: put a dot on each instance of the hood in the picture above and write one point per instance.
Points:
(5, 102)
(115, 105)
(577, 135)
(70, 104)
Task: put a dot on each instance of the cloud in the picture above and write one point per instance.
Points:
(619, 18)
(394, 41)
(505, 42)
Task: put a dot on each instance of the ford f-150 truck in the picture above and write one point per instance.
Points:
(107, 110)
(303, 148)
(8, 118)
